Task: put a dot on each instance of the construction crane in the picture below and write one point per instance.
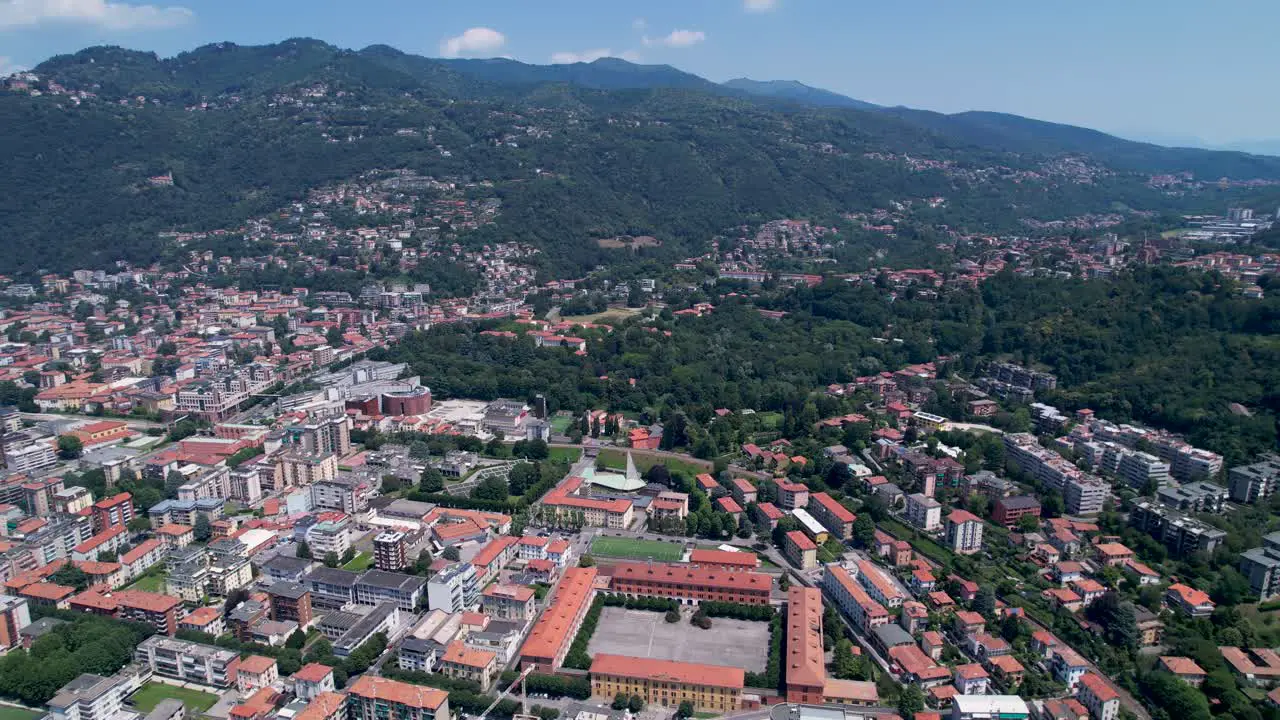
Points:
(524, 702)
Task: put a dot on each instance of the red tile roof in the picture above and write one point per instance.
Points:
(668, 671)
(391, 691)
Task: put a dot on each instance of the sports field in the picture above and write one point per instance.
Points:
(152, 693)
(637, 549)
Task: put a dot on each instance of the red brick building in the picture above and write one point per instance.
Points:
(1007, 510)
(113, 511)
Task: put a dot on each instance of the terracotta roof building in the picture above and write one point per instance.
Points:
(666, 683)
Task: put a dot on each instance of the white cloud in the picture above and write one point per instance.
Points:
(677, 39)
(472, 41)
(639, 24)
(104, 14)
(759, 6)
(586, 56)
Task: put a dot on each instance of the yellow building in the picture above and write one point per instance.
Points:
(665, 683)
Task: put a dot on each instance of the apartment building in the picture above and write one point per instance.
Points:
(834, 516)
(800, 550)
(666, 683)
(290, 601)
(463, 662)
(115, 511)
(454, 589)
(1249, 484)
(853, 600)
(508, 602)
(343, 493)
(93, 697)
(1180, 532)
(188, 661)
(964, 532)
(30, 458)
(1007, 510)
(879, 584)
(1099, 697)
(390, 551)
(15, 615)
(1199, 496)
(1262, 566)
(300, 468)
(376, 698)
(924, 512)
(312, 680)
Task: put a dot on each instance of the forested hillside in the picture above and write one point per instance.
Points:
(574, 152)
(1161, 346)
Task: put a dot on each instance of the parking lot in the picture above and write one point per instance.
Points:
(639, 633)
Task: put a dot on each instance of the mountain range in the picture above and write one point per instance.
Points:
(574, 152)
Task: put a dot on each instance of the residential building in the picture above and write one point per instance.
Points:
(1184, 667)
(1007, 510)
(879, 584)
(726, 559)
(376, 698)
(691, 584)
(188, 661)
(15, 615)
(93, 697)
(256, 671)
(834, 516)
(971, 679)
(207, 620)
(381, 618)
(1199, 496)
(924, 512)
(312, 680)
(1262, 566)
(1142, 470)
(865, 613)
(1099, 697)
(30, 458)
(508, 602)
(467, 663)
(290, 601)
(1249, 484)
(344, 493)
(1181, 533)
(1068, 666)
(112, 512)
(792, 495)
(666, 683)
(964, 532)
(390, 551)
(454, 589)
(1192, 602)
(800, 550)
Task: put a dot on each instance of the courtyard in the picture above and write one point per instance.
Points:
(640, 633)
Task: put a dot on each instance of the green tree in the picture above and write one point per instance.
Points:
(635, 704)
(451, 553)
(432, 481)
(304, 550)
(202, 530)
(331, 559)
(685, 711)
(910, 702)
(139, 524)
(864, 530)
(296, 640)
(69, 447)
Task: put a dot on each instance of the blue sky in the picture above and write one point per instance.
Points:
(1162, 69)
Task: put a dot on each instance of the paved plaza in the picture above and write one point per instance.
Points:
(640, 633)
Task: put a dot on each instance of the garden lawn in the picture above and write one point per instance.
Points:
(637, 549)
(8, 712)
(569, 455)
(361, 562)
(152, 693)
